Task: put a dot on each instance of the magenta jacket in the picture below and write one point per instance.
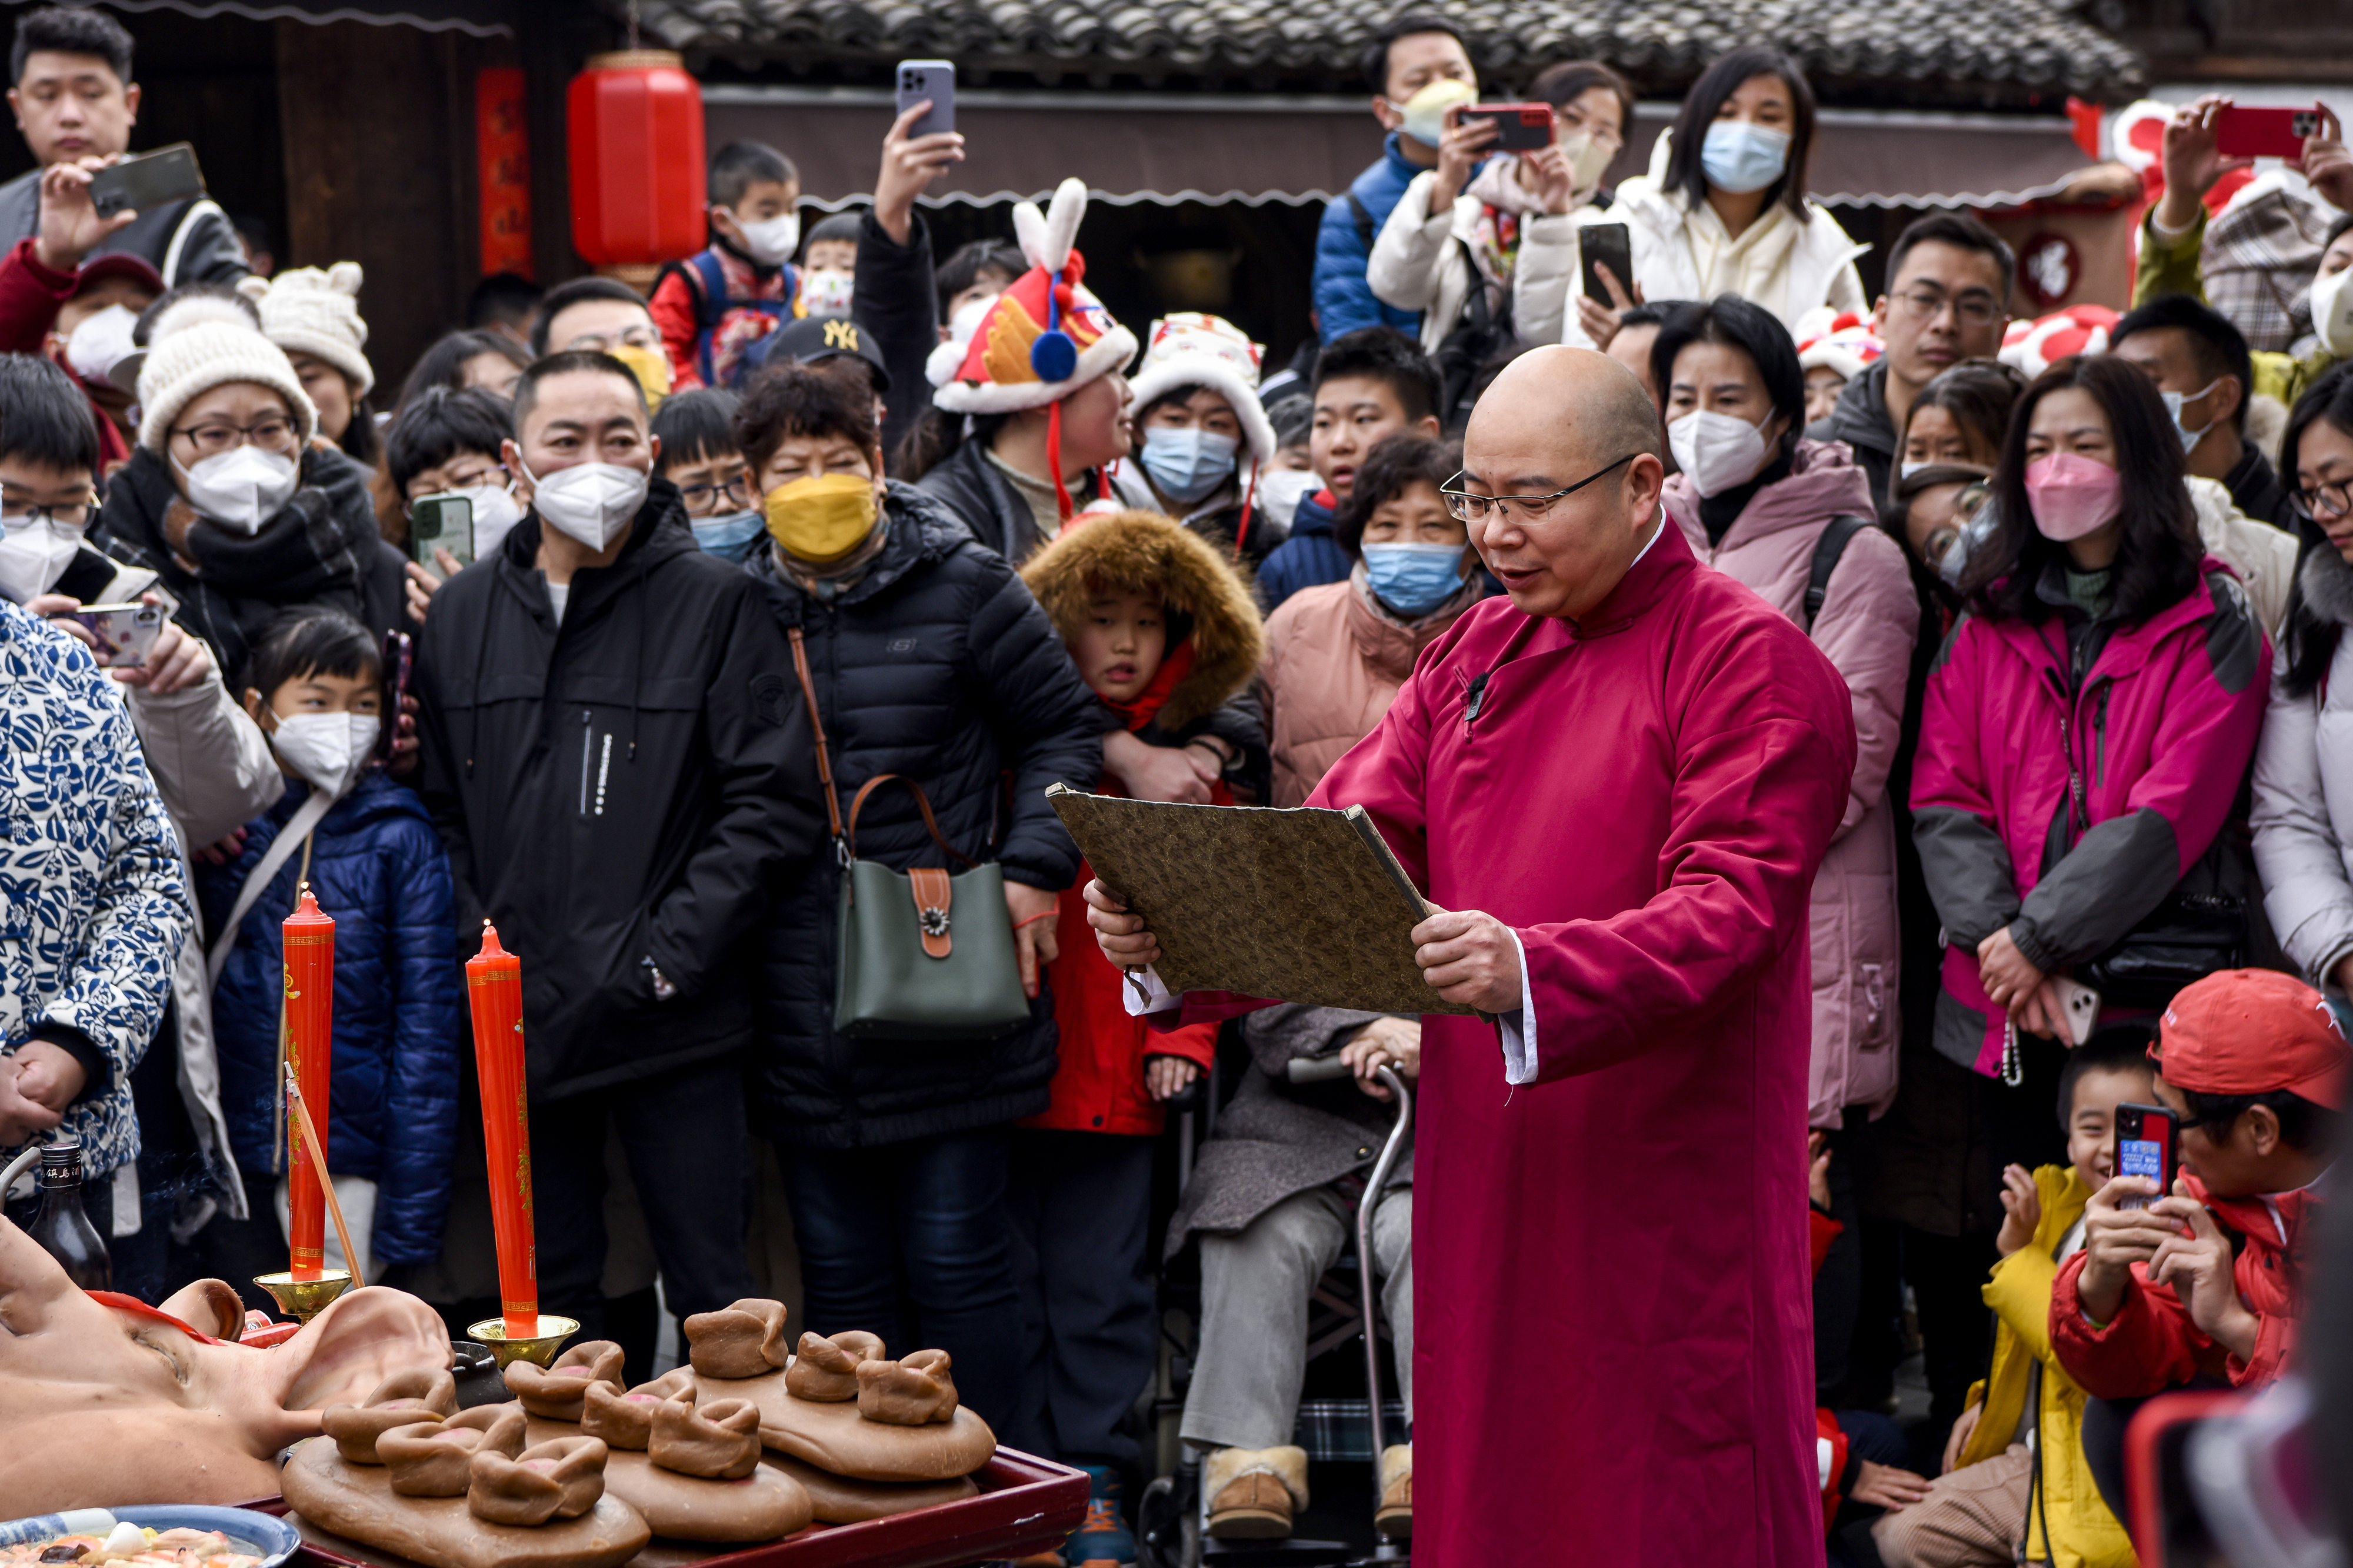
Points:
(2071, 773)
(1869, 619)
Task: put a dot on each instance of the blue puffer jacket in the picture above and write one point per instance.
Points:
(1343, 300)
(378, 867)
(1308, 558)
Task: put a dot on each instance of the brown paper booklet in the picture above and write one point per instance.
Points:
(1298, 906)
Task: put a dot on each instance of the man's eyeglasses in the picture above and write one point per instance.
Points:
(272, 435)
(1971, 310)
(701, 499)
(1469, 508)
(16, 513)
(2337, 496)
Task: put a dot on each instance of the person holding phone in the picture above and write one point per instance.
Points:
(2083, 731)
(447, 443)
(1469, 217)
(1724, 208)
(74, 99)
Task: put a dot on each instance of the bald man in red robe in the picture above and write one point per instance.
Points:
(1617, 782)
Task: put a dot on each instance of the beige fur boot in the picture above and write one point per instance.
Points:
(1394, 1517)
(1252, 1493)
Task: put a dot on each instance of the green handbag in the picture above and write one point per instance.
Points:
(923, 954)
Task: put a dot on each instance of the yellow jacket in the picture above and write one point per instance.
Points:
(2175, 266)
(2084, 1533)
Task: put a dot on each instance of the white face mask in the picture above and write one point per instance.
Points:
(1588, 156)
(2173, 402)
(592, 502)
(33, 556)
(827, 293)
(495, 512)
(1281, 490)
(2332, 311)
(1425, 112)
(1716, 450)
(1911, 468)
(770, 240)
(242, 488)
(328, 748)
(100, 341)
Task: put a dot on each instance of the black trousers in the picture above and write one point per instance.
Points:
(1082, 1210)
(685, 1134)
(1837, 1283)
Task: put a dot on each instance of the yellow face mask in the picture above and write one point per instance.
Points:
(650, 368)
(822, 519)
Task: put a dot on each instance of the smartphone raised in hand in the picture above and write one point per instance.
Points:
(2257, 133)
(1519, 126)
(124, 635)
(145, 181)
(443, 522)
(1612, 246)
(2147, 1136)
(928, 81)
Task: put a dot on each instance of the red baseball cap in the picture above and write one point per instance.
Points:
(2250, 1031)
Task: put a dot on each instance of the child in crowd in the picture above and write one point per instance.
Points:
(2015, 1476)
(1960, 416)
(980, 269)
(830, 267)
(2203, 1280)
(720, 301)
(375, 863)
(698, 454)
(1368, 384)
(447, 443)
(1833, 348)
(1164, 633)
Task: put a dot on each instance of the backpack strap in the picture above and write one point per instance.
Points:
(710, 307)
(1364, 216)
(1827, 550)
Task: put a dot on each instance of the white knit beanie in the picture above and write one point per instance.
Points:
(307, 311)
(184, 364)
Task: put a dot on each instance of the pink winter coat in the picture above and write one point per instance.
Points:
(2151, 743)
(1869, 620)
(1333, 666)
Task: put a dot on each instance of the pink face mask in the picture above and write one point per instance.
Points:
(2072, 496)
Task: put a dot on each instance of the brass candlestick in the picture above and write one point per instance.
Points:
(304, 1299)
(540, 1349)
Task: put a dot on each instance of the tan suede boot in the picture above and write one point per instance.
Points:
(1394, 1517)
(1253, 1492)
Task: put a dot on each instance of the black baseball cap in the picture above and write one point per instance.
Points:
(814, 338)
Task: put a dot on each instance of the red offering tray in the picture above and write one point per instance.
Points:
(1025, 1505)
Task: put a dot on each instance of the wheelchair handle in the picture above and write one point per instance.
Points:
(1317, 1069)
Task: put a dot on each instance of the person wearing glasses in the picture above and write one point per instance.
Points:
(701, 456)
(1793, 520)
(447, 441)
(1616, 785)
(230, 502)
(1948, 277)
(2303, 767)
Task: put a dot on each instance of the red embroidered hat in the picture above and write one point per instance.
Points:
(2250, 1031)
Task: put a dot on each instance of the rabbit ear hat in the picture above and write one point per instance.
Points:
(308, 312)
(1044, 337)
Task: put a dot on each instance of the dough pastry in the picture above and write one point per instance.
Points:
(403, 1399)
(357, 1501)
(623, 1420)
(916, 1391)
(826, 1370)
(554, 1393)
(718, 1441)
(561, 1479)
(744, 1340)
(837, 1499)
(835, 1437)
(435, 1458)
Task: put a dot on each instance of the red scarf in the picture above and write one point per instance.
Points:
(1154, 697)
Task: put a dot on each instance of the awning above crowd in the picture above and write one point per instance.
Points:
(482, 18)
(1257, 148)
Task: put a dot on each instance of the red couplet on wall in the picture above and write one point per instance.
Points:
(503, 151)
(635, 124)
(308, 935)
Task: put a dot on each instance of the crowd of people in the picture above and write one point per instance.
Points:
(635, 623)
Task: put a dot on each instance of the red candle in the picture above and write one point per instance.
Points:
(308, 935)
(494, 988)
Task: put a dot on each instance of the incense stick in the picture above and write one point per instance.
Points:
(318, 1164)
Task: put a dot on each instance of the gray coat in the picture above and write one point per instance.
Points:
(189, 241)
(1274, 1139)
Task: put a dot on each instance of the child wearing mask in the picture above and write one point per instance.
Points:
(829, 266)
(698, 454)
(371, 857)
(1203, 443)
(1164, 631)
(1994, 1496)
(723, 298)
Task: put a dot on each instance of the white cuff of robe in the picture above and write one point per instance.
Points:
(1519, 1028)
(1155, 997)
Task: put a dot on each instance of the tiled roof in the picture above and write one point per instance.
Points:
(2004, 48)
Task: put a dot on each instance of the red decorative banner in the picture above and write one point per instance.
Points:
(502, 145)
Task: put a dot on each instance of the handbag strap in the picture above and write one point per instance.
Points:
(824, 760)
(922, 803)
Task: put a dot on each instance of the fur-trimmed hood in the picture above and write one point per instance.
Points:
(1144, 553)
(2328, 583)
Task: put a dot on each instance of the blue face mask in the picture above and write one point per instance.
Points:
(1187, 465)
(1414, 579)
(1740, 157)
(731, 537)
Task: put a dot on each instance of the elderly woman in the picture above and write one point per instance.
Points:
(929, 660)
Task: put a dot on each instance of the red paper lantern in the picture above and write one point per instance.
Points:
(635, 132)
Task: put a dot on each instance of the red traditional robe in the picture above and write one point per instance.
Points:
(1612, 1322)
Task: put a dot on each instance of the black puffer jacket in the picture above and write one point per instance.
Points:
(322, 548)
(937, 664)
(623, 786)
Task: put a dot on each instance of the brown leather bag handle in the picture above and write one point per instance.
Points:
(816, 727)
(922, 803)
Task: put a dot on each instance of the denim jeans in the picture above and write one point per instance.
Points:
(916, 1226)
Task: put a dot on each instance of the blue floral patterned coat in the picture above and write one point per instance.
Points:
(93, 905)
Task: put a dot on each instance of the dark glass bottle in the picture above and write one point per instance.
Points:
(62, 1227)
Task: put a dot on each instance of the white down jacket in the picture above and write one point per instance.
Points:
(2303, 791)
